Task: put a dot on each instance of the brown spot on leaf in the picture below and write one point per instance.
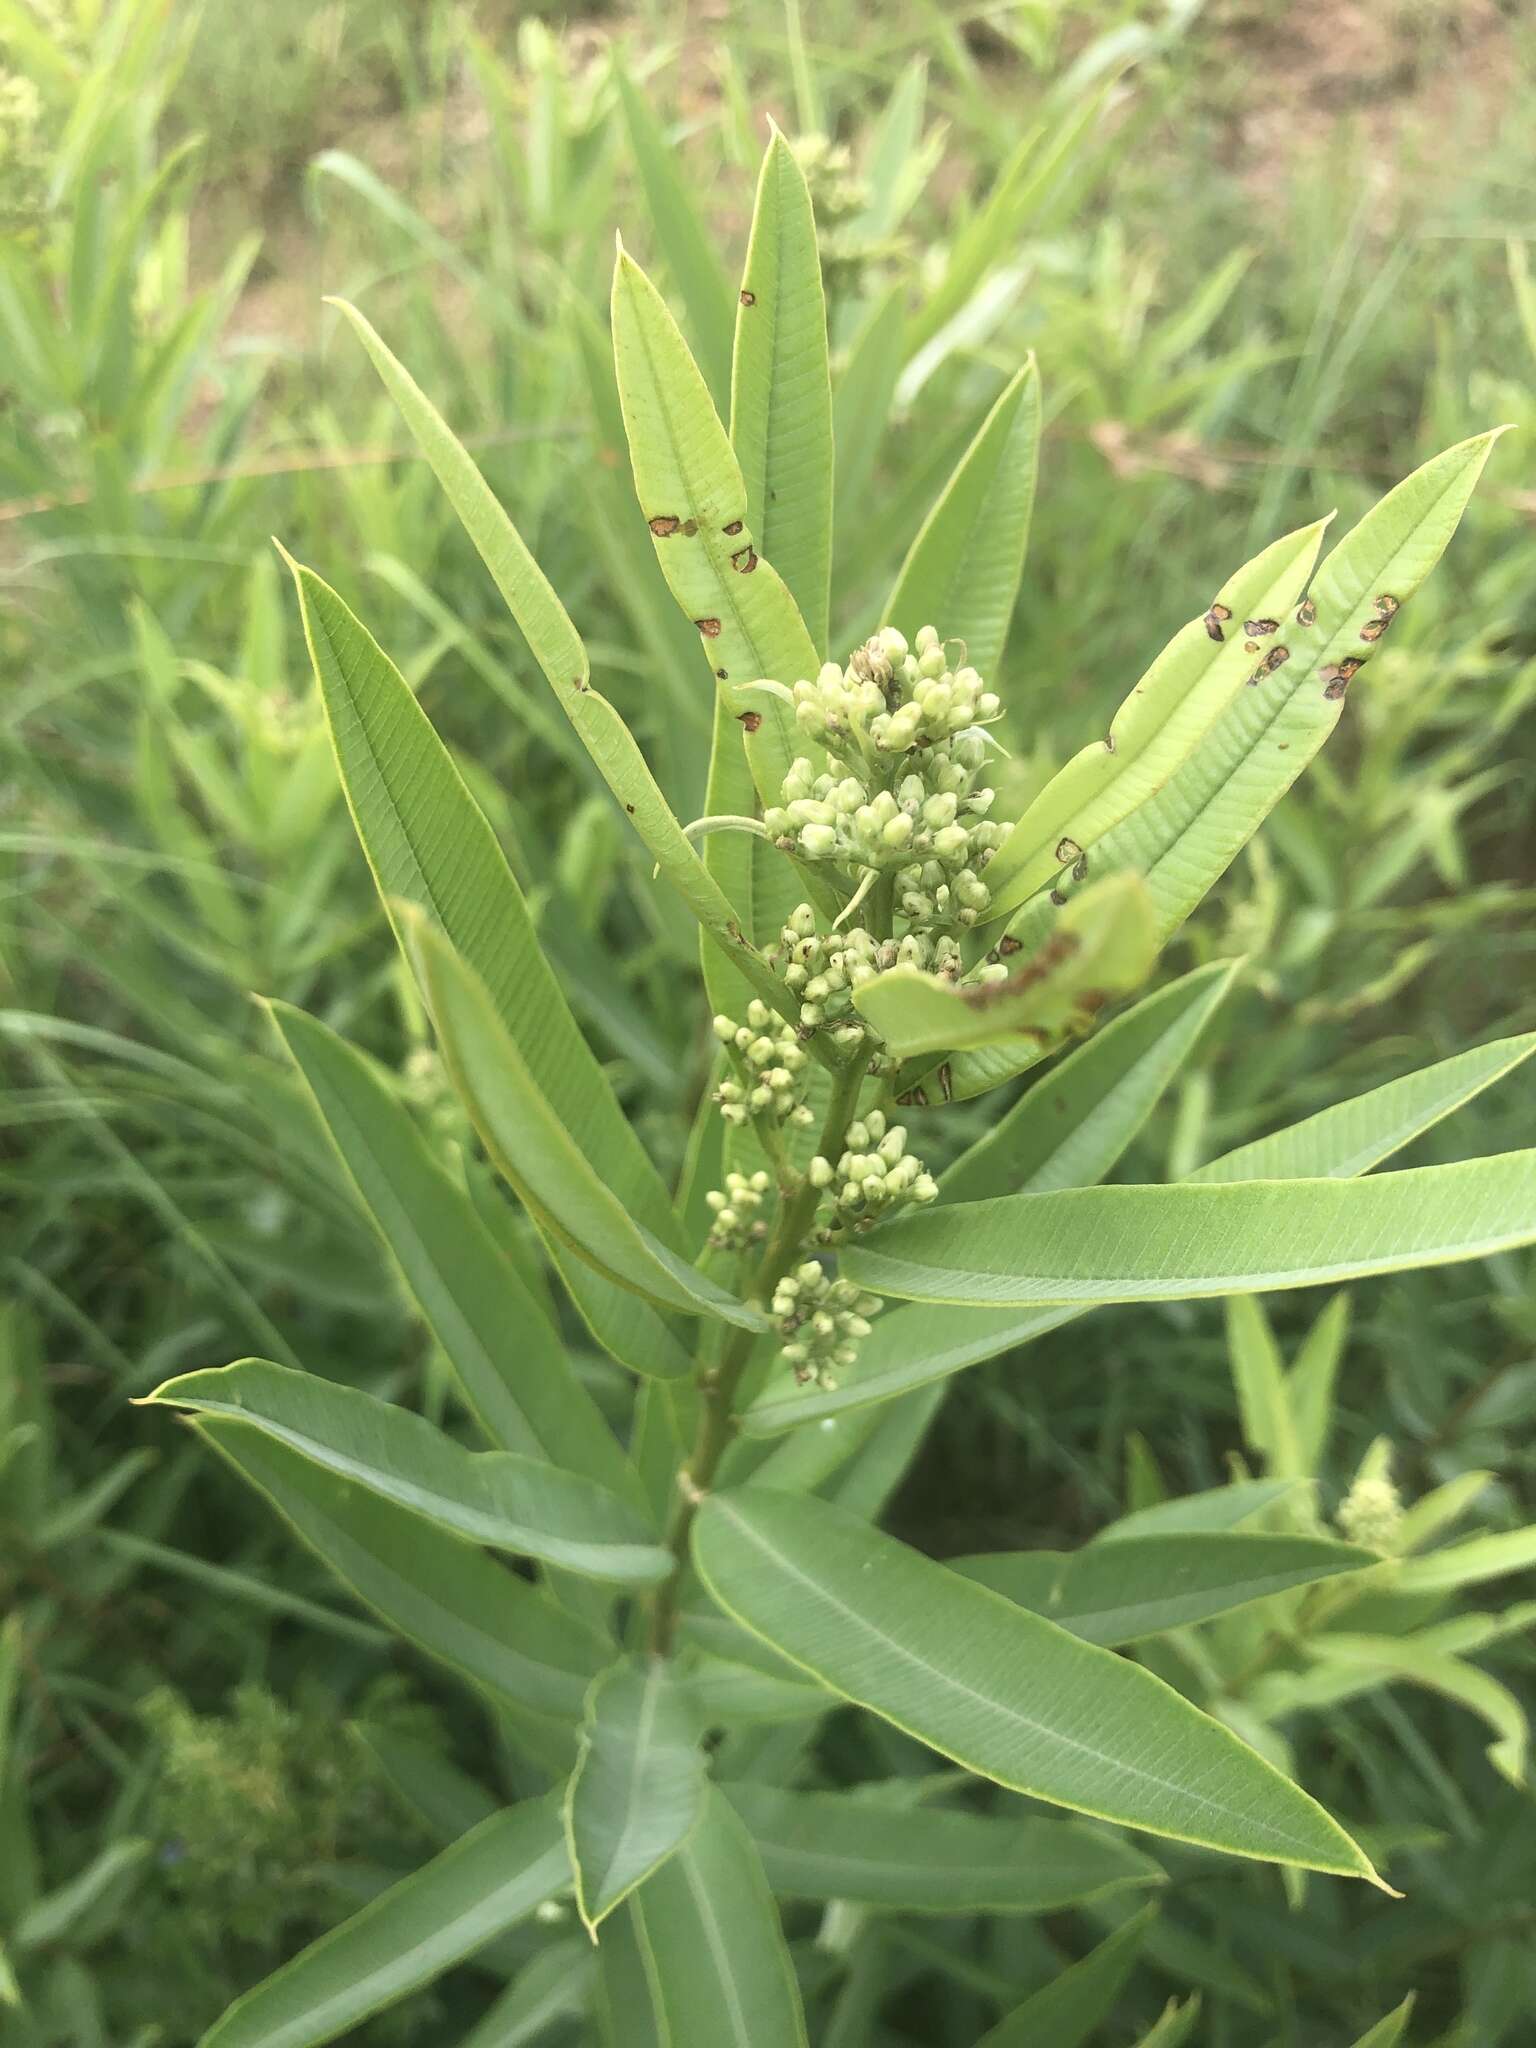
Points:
(1388, 606)
(1261, 628)
(1250, 647)
(580, 683)
(1008, 944)
(1215, 619)
(630, 808)
(1057, 898)
(1057, 949)
(749, 298)
(710, 628)
(690, 528)
(734, 527)
(1338, 676)
(1067, 850)
(723, 675)
(915, 1098)
(1277, 657)
(744, 561)
(665, 524)
(1080, 871)
(1306, 613)
(750, 720)
(1109, 743)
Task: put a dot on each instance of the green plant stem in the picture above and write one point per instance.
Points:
(718, 1382)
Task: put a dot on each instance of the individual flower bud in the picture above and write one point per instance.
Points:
(925, 1188)
(802, 1116)
(892, 645)
(802, 921)
(951, 843)
(820, 1173)
(818, 841)
(723, 1029)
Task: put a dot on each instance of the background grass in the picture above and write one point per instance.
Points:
(1267, 261)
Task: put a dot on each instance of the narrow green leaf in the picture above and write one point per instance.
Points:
(1069, 2008)
(639, 1784)
(455, 1904)
(1310, 1383)
(963, 570)
(428, 844)
(530, 1147)
(694, 497)
(508, 1357)
(684, 240)
(553, 1985)
(1263, 1397)
(1244, 1502)
(1472, 1563)
(712, 1947)
(996, 1688)
(1117, 1593)
(440, 1593)
(924, 1859)
(558, 649)
(1388, 2032)
(1186, 835)
(921, 1343)
(1416, 1663)
(1174, 2026)
(1107, 947)
(861, 404)
(1157, 727)
(1069, 1130)
(781, 394)
(496, 1498)
(1087, 1245)
(1351, 1137)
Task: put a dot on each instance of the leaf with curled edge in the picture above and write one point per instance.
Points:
(1106, 947)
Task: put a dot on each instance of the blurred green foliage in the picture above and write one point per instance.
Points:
(1263, 270)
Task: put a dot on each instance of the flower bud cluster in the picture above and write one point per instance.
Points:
(735, 1209)
(824, 968)
(891, 699)
(1371, 1513)
(875, 1174)
(907, 733)
(821, 1320)
(769, 1065)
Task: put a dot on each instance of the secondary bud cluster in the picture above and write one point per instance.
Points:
(875, 1174)
(821, 1321)
(735, 1209)
(769, 1064)
(906, 730)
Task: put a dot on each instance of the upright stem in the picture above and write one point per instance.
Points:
(718, 1383)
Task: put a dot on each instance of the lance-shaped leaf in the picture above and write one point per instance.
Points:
(494, 1877)
(1472, 1563)
(496, 1498)
(557, 647)
(445, 1596)
(1184, 837)
(1173, 2027)
(715, 1960)
(1415, 1662)
(923, 1343)
(1388, 2032)
(1117, 1593)
(509, 1359)
(1158, 726)
(684, 240)
(555, 1985)
(1089, 1245)
(639, 1784)
(1068, 2009)
(429, 844)
(1068, 1131)
(962, 571)
(1263, 1395)
(1351, 1137)
(529, 1145)
(1241, 1505)
(694, 499)
(1105, 948)
(924, 1859)
(781, 393)
(998, 1689)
